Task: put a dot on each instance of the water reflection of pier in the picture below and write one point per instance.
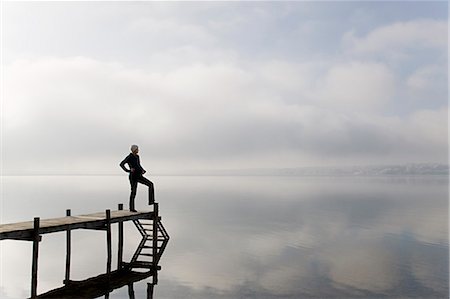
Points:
(146, 257)
(103, 285)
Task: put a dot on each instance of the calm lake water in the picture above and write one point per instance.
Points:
(248, 237)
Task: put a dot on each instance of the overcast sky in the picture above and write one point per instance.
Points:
(214, 85)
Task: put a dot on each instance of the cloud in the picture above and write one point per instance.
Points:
(220, 86)
(86, 112)
(400, 38)
(428, 84)
(424, 78)
(359, 86)
(423, 133)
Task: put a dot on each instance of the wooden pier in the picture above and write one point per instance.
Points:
(154, 238)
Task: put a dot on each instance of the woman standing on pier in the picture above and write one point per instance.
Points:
(136, 176)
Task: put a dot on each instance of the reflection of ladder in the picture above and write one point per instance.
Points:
(153, 243)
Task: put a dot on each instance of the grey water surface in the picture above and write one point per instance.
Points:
(248, 236)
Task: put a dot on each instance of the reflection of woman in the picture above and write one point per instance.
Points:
(136, 176)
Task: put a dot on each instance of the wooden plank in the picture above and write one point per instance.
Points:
(24, 230)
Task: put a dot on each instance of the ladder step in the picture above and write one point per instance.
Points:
(143, 223)
(151, 247)
(158, 240)
(141, 264)
(146, 254)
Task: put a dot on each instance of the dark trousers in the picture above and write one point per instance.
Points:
(134, 180)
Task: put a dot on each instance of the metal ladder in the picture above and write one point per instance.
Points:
(147, 255)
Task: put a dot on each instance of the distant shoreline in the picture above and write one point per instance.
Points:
(419, 169)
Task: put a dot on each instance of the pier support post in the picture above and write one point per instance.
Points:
(108, 241)
(150, 287)
(34, 266)
(109, 249)
(131, 294)
(120, 249)
(155, 241)
(68, 250)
